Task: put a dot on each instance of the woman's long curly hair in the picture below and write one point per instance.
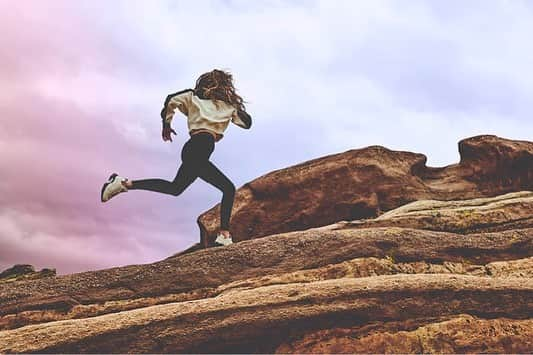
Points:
(218, 85)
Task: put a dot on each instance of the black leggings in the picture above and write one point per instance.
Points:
(195, 163)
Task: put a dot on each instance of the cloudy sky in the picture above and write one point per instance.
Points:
(82, 83)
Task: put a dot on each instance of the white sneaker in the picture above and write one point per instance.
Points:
(222, 240)
(113, 187)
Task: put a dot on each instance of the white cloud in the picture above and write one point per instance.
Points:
(356, 68)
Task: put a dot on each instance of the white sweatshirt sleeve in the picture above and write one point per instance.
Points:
(180, 100)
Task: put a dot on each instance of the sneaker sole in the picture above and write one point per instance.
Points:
(109, 181)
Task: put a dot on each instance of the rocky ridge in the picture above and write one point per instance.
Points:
(450, 271)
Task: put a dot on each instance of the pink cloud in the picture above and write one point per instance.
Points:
(57, 159)
(58, 146)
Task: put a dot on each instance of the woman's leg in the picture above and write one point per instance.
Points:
(212, 175)
(185, 176)
(194, 154)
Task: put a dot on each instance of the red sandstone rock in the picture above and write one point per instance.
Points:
(362, 183)
(260, 319)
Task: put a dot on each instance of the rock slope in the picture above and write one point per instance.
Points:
(434, 274)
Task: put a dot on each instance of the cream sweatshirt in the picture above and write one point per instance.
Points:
(202, 113)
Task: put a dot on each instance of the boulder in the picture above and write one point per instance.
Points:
(24, 272)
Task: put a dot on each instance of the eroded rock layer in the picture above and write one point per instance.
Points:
(254, 320)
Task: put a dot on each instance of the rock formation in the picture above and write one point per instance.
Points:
(445, 267)
(24, 272)
(362, 183)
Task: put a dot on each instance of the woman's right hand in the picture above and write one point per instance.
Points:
(166, 134)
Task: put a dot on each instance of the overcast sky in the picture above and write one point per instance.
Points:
(82, 84)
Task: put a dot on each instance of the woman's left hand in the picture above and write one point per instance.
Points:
(166, 134)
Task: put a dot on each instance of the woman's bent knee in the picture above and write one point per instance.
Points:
(176, 190)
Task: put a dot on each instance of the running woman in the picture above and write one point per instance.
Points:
(209, 108)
